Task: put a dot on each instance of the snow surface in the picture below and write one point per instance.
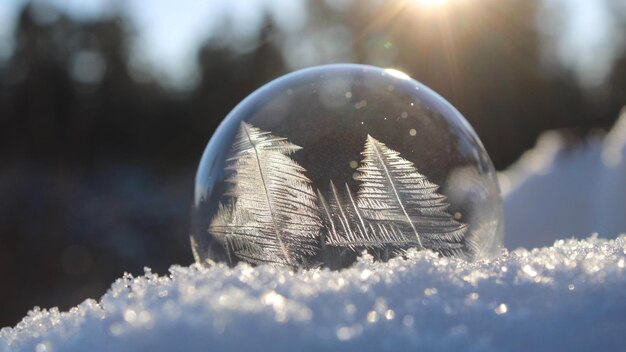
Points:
(554, 191)
(569, 296)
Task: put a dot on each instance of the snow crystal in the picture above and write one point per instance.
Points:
(566, 297)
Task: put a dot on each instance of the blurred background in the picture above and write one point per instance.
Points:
(106, 106)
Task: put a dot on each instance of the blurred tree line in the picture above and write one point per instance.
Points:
(98, 165)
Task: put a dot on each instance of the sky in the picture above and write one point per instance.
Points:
(584, 41)
(168, 34)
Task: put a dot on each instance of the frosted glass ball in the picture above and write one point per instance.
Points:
(323, 164)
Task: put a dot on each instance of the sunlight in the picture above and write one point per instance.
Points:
(431, 2)
(396, 73)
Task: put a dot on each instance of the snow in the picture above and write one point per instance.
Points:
(568, 296)
(554, 191)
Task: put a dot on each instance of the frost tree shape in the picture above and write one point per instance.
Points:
(395, 206)
(394, 192)
(346, 226)
(273, 215)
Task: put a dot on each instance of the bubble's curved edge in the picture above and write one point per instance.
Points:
(229, 125)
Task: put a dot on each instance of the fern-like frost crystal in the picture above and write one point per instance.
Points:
(273, 216)
(347, 227)
(396, 207)
(394, 193)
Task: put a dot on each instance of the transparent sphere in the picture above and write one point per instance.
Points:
(322, 164)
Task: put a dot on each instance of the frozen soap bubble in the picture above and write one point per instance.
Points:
(322, 164)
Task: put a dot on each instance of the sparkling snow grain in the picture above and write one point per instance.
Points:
(570, 296)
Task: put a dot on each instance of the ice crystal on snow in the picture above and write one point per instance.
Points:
(574, 290)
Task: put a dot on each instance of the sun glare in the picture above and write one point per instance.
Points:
(431, 2)
(396, 73)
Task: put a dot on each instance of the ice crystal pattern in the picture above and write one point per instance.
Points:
(273, 215)
(396, 207)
